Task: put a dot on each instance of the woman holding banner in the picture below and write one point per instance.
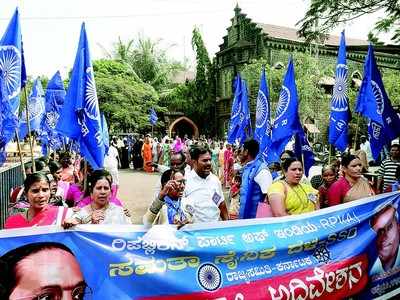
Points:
(352, 185)
(290, 196)
(100, 210)
(40, 213)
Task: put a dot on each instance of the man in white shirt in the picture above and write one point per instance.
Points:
(366, 147)
(204, 189)
(256, 179)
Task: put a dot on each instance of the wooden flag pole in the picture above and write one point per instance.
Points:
(356, 135)
(29, 131)
(330, 154)
(20, 155)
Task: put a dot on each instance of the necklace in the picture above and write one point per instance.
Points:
(295, 192)
(92, 208)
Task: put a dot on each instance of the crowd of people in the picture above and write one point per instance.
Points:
(201, 180)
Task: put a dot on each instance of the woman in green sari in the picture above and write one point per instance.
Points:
(166, 153)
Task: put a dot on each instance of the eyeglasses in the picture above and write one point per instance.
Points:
(55, 293)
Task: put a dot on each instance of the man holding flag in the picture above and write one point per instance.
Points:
(81, 114)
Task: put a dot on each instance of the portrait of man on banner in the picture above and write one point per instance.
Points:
(45, 270)
(386, 225)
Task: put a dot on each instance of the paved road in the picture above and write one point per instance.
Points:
(136, 191)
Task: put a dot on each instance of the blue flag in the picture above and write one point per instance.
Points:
(374, 104)
(11, 61)
(303, 151)
(287, 121)
(36, 110)
(262, 132)
(153, 117)
(340, 113)
(8, 120)
(55, 95)
(240, 122)
(104, 129)
(80, 114)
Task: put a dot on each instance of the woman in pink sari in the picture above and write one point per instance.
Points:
(228, 165)
(40, 213)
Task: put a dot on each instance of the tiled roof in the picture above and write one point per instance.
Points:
(287, 33)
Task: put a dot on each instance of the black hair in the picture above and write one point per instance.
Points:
(54, 166)
(252, 146)
(183, 156)
(288, 152)
(347, 158)
(395, 145)
(33, 178)
(196, 151)
(328, 167)
(168, 175)
(288, 161)
(10, 260)
(96, 176)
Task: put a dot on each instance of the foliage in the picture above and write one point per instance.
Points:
(146, 61)
(124, 100)
(314, 102)
(323, 15)
(204, 84)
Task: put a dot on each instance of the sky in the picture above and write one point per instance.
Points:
(50, 28)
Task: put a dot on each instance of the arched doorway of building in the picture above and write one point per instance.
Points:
(182, 126)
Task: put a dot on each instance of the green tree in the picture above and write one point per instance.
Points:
(124, 100)
(323, 15)
(204, 84)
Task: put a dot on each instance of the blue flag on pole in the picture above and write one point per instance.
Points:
(262, 132)
(303, 151)
(374, 104)
(340, 113)
(104, 129)
(36, 109)
(153, 117)
(245, 130)
(55, 95)
(11, 61)
(8, 120)
(80, 114)
(287, 121)
(240, 122)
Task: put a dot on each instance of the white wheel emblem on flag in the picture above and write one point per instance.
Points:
(284, 101)
(10, 65)
(36, 107)
(380, 104)
(262, 110)
(339, 98)
(91, 103)
(52, 119)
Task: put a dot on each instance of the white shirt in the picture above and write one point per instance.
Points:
(111, 159)
(206, 195)
(264, 180)
(367, 149)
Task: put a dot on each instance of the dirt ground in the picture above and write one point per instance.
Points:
(136, 191)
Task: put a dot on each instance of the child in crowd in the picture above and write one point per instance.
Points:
(234, 195)
(329, 176)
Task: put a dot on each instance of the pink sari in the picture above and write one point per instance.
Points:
(48, 216)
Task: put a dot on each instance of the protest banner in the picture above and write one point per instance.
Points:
(334, 253)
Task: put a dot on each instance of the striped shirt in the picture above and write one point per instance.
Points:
(387, 172)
